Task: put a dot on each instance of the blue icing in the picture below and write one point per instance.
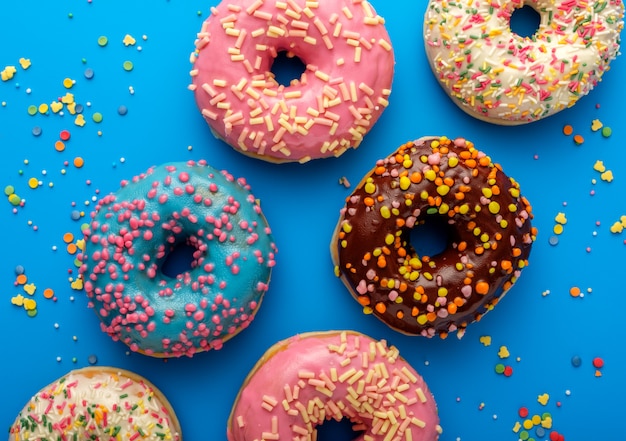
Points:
(135, 230)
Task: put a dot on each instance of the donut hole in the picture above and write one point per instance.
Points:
(431, 236)
(333, 430)
(287, 68)
(182, 257)
(525, 21)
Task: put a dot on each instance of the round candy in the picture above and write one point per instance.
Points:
(134, 232)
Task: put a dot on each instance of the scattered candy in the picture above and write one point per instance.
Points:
(598, 362)
(568, 130)
(596, 125)
(619, 226)
(128, 40)
(560, 220)
(578, 139)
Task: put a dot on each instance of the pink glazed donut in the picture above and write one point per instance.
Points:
(305, 380)
(341, 94)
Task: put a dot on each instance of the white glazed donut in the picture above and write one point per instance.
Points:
(97, 403)
(497, 76)
(341, 94)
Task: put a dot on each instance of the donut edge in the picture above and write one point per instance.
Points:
(90, 371)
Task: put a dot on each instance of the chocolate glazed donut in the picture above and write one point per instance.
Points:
(489, 237)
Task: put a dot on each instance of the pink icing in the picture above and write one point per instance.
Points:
(308, 379)
(343, 91)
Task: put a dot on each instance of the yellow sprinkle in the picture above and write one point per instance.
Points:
(33, 183)
(599, 166)
(370, 188)
(389, 239)
(384, 212)
(68, 83)
(443, 190)
(494, 207)
(560, 218)
(607, 176)
(596, 125)
(18, 300)
(405, 183)
(543, 399)
(67, 98)
(503, 352)
(558, 229)
(430, 175)
(30, 304)
(80, 120)
(56, 106)
(128, 40)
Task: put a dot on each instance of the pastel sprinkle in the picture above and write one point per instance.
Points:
(7, 73)
(619, 226)
(103, 41)
(128, 40)
(599, 166)
(503, 352)
(543, 399)
(607, 176)
(606, 132)
(596, 125)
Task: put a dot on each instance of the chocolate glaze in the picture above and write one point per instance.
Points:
(490, 237)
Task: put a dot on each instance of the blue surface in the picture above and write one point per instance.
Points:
(539, 322)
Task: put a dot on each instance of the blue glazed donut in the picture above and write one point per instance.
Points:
(132, 233)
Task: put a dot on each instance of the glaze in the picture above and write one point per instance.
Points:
(97, 403)
(498, 76)
(307, 379)
(133, 232)
(458, 186)
(343, 91)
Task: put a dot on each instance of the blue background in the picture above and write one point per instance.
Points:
(540, 324)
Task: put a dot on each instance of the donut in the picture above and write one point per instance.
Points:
(482, 212)
(308, 379)
(134, 231)
(341, 94)
(97, 403)
(500, 77)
